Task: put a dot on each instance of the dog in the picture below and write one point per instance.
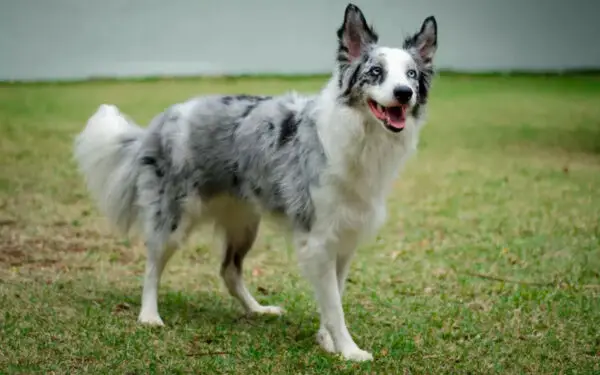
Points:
(321, 166)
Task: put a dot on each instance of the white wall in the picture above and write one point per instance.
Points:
(75, 39)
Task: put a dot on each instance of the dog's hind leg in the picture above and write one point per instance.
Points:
(158, 254)
(239, 236)
(160, 246)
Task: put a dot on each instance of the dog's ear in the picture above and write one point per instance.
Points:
(424, 43)
(354, 35)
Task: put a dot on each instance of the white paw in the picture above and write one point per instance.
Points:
(150, 319)
(357, 355)
(325, 341)
(268, 310)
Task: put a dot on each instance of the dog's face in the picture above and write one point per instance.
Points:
(388, 85)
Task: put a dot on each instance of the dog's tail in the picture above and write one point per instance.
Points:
(106, 152)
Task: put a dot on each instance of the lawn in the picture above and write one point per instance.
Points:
(489, 261)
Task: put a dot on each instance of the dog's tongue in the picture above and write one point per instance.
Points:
(395, 117)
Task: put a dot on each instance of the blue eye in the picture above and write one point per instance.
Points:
(412, 73)
(376, 71)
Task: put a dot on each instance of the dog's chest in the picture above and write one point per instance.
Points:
(352, 197)
(366, 170)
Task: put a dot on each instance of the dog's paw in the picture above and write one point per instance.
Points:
(357, 355)
(150, 320)
(325, 341)
(269, 310)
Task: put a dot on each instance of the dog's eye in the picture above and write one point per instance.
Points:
(412, 73)
(375, 71)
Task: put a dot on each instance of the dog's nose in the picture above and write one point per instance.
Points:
(403, 94)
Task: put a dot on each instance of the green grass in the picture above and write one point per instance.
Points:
(489, 261)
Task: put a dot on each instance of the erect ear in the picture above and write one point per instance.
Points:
(424, 43)
(354, 35)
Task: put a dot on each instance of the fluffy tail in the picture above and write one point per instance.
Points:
(106, 152)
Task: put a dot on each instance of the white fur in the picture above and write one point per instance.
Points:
(98, 148)
(363, 163)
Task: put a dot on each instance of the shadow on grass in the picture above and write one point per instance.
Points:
(93, 327)
(216, 318)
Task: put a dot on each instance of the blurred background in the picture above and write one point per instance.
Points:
(71, 39)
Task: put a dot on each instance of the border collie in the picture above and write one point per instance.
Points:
(320, 165)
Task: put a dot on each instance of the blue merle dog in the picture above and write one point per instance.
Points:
(320, 165)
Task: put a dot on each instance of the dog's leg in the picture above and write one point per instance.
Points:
(158, 254)
(239, 238)
(343, 267)
(345, 253)
(318, 263)
(160, 246)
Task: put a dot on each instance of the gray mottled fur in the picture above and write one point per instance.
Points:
(256, 149)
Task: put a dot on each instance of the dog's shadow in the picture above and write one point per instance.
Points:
(207, 313)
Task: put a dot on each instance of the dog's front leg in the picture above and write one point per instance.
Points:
(318, 263)
(345, 252)
(345, 249)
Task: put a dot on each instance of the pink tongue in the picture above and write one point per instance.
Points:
(395, 117)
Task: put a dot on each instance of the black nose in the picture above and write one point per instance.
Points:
(403, 94)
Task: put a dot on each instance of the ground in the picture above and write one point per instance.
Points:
(489, 261)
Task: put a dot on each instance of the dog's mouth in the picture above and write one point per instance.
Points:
(394, 118)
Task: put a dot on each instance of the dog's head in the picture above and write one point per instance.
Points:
(389, 85)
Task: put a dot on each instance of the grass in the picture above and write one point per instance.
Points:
(489, 261)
